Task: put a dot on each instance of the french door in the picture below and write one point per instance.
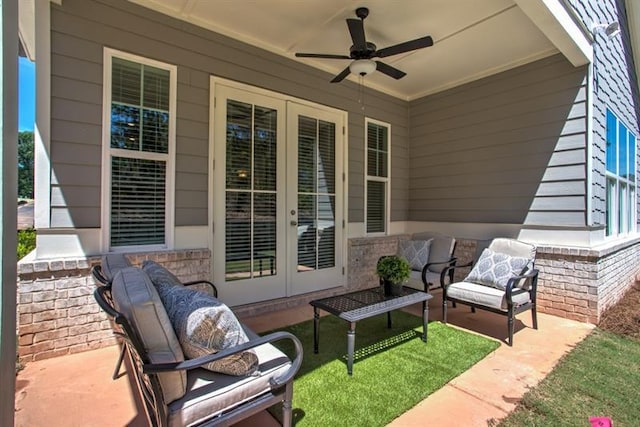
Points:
(277, 196)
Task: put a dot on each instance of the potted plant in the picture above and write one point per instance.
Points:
(393, 270)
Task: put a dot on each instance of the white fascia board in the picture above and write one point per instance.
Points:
(556, 23)
(27, 25)
(633, 15)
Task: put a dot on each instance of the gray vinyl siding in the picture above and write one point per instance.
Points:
(80, 31)
(615, 87)
(509, 148)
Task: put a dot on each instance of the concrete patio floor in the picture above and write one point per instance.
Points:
(77, 390)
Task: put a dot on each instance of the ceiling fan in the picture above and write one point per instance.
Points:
(362, 51)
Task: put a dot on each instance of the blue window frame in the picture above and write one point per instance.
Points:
(621, 176)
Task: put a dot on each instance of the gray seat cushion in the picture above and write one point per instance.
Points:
(204, 325)
(209, 393)
(112, 263)
(486, 295)
(137, 299)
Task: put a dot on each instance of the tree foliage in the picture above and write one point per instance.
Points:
(25, 164)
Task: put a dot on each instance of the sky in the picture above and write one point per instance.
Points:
(26, 94)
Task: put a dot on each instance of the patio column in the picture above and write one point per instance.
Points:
(8, 211)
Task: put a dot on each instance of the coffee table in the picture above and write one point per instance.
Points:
(363, 304)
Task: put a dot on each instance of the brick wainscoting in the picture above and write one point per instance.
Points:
(57, 313)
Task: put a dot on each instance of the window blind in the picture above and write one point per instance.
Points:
(378, 168)
(376, 210)
(137, 201)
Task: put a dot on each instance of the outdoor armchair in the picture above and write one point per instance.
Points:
(428, 271)
(503, 280)
(177, 391)
(104, 273)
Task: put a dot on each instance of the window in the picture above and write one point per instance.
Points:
(377, 176)
(621, 177)
(139, 139)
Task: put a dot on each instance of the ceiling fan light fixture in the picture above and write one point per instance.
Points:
(362, 67)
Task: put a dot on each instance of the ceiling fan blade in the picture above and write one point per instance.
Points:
(340, 77)
(356, 29)
(389, 70)
(405, 47)
(321, 55)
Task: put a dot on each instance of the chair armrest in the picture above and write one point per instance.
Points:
(203, 282)
(533, 275)
(96, 272)
(450, 261)
(150, 368)
(453, 267)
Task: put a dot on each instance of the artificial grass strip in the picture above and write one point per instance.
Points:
(600, 377)
(393, 368)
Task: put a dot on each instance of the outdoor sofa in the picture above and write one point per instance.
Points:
(178, 391)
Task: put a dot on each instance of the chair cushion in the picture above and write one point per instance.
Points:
(485, 295)
(112, 263)
(160, 275)
(204, 325)
(137, 299)
(495, 269)
(441, 249)
(209, 393)
(415, 251)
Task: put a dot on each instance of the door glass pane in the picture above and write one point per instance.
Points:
(239, 118)
(316, 194)
(307, 232)
(307, 149)
(264, 234)
(250, 233)
(238, 235)
(264, 150)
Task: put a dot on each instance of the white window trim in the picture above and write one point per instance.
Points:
(107, 151)
(368, 177)
(630, 202)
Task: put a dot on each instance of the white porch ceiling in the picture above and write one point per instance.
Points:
(472, 39)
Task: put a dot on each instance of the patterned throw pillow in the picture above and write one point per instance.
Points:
(158, 274)
(415, 251)
(204, 325)
(495, 269)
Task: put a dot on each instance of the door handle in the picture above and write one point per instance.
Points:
(293, 222)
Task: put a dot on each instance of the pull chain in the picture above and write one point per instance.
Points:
(361, 91)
